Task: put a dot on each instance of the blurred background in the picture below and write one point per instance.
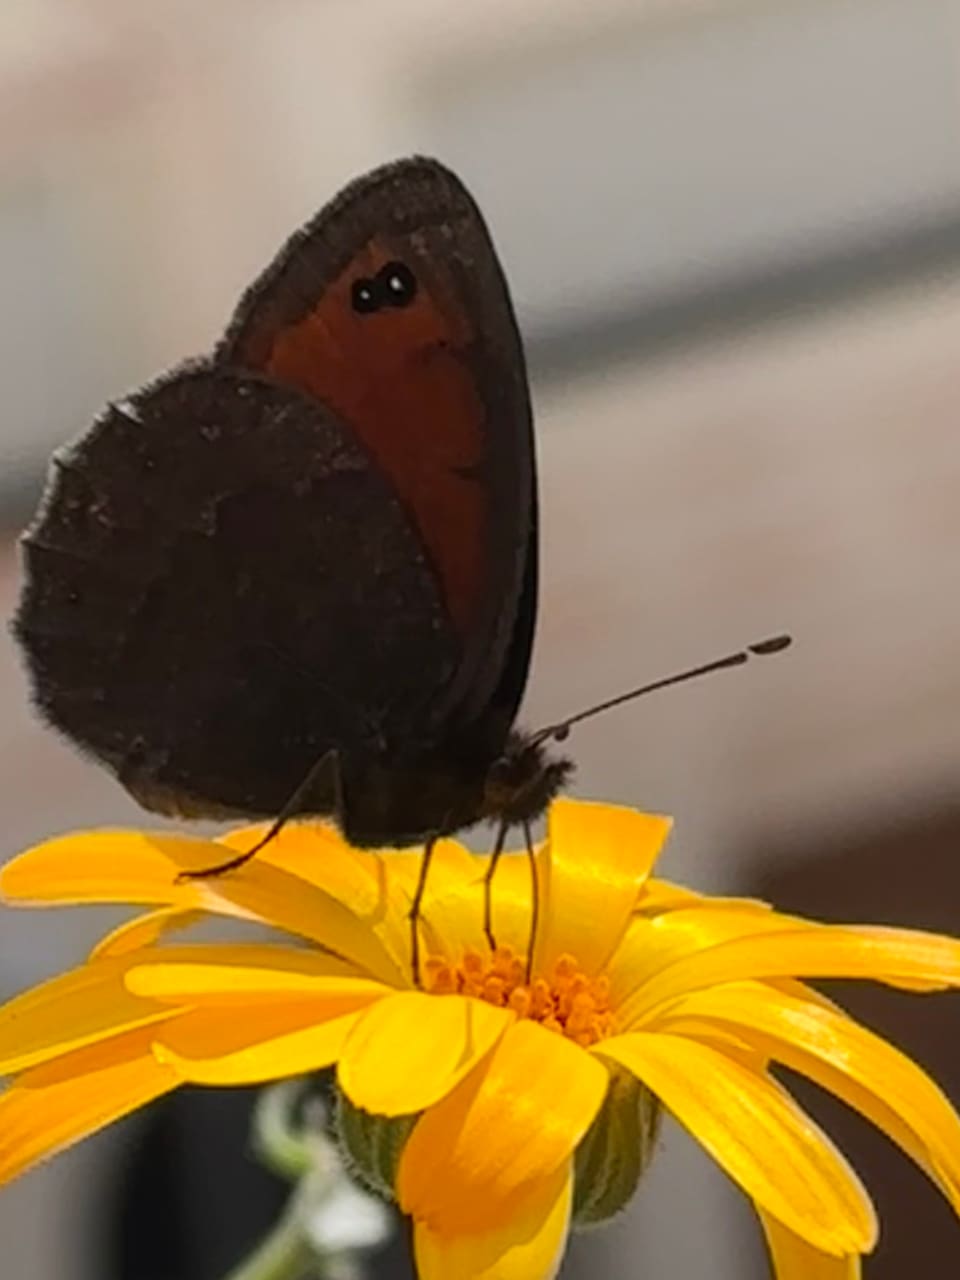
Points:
(733, 235)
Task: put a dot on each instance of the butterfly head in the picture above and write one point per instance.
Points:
(524, 779)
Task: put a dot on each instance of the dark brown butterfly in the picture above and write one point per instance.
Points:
(300, 576)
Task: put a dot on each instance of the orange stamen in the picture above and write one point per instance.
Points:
(565, 1001)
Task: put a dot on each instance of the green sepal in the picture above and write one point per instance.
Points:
(616, 1150)
(371, 1145)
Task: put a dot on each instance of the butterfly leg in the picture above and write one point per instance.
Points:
(413, 915)
(488, 884)
(324, 776)
(534, 898)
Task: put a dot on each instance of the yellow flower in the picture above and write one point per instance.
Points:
(630, 977)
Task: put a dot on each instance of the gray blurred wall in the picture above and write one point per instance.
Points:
(734, 236)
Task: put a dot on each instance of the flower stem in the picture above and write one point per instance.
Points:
(284, 1254)
(326, 1220)
(287, 1253)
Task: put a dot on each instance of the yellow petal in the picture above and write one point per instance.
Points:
(455, 923)
(663, 895)
(794, 1259)
(143, 868)
(911, 958)
(456, 916)
(76, 1009)
(377, 884)
(757, 1133)
(450, 863)
(476, 1157)
(288, 902)
(144, 931)
(411, 1049)
(49, 1108)
(599, 857)
(448, 920)
(923, 961)
(846, 1059)
(316, 851)
(528, 1245)
(231, 973)
(270, 1042)
(651, 944)
(110, 866)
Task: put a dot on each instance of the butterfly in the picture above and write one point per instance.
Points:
(299, 576)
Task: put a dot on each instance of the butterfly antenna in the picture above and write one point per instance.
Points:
(776, 644)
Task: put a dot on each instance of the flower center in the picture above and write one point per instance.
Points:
(567, 1001)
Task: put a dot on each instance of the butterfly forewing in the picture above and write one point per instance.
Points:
(433, 383)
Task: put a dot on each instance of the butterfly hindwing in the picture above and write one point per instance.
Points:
(222, 587)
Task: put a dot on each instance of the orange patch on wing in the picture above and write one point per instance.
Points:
(399, 379)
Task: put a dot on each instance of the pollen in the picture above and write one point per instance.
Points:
(566, 1000)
